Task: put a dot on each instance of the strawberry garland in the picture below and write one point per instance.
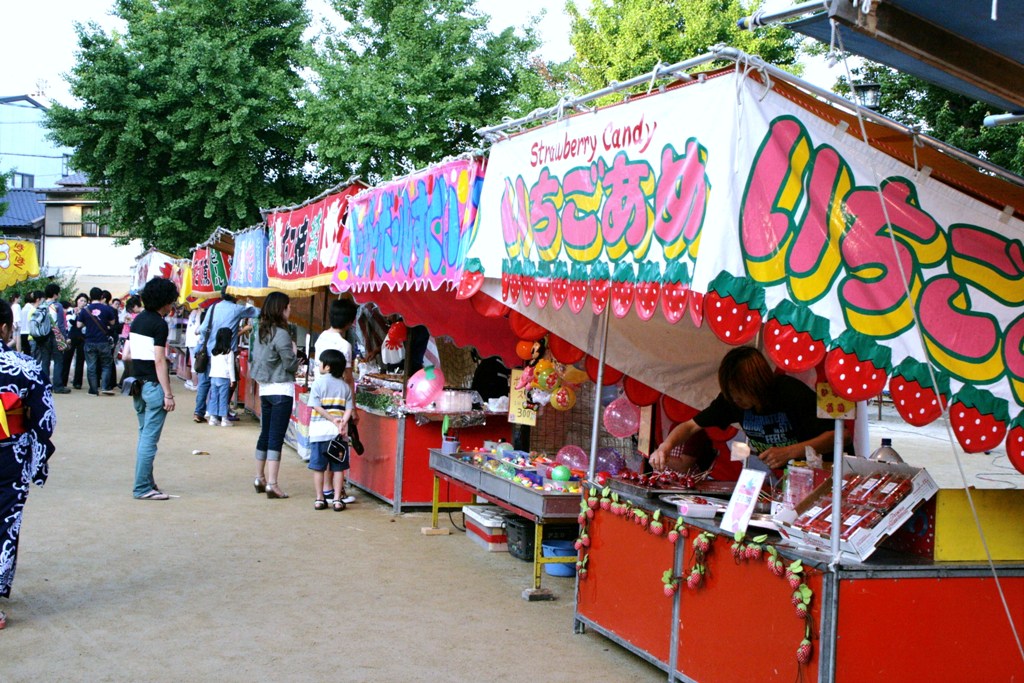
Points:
(471, 280)
(648, 290)
(734, 308)
(600, 287)
(543, 276)
(743, 549)
(675, 291)
(795, 338)
(559, 285)
(857, 366)
(578, 287)
(1015, 443)
(916, 397)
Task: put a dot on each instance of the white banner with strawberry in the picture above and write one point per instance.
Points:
(727, 208)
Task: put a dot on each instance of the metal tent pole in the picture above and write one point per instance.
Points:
(596, 423)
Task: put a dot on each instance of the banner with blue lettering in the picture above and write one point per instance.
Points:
(413, 232)
(249, 270)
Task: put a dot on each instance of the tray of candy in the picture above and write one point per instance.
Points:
(655, 486)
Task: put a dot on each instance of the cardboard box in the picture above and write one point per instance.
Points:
(485, 526)
(862, 542)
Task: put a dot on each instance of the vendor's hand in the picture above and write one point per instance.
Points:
(659, 458)
(778, 457)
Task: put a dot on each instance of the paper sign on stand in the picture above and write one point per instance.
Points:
(744, 499)
(520, 409)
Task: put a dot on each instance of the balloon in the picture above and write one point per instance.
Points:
(677, 411)
(563, 398)
(424, 387)
(543, 365)
(572, 457)
(561, 473)
(524, 328)
(563, 351)
(611, 375)
(621, 418)
(609, 460)
(574, 375)
(549, 380)
(639, 393)
(524, 349)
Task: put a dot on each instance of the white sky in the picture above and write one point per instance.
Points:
(40, 42)
(39, 37)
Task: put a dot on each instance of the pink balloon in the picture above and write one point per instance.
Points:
(424, 387)
(609, 460)
(573, 457)
(621, 418)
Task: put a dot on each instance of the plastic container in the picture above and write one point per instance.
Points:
(556, 548)
(886, 453)
(520, 533)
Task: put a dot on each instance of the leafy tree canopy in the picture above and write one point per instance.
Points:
(952, 118)
(407, 82)
(616, 40)
(189, 120)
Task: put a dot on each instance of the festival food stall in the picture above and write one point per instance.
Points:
(740, 209)
(404, 250)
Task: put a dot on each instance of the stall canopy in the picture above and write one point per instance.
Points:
(406, 247)
(695, 215)
(972, 48)
(153, 263)
(18, 261)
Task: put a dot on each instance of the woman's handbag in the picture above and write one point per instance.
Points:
(202, 363)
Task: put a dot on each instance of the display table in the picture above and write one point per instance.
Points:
(897, 617)
(395, 465)
(540, 507)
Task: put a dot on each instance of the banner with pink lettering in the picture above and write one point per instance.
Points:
(151, 264)
(413, 232)
(306, 242)
(249, 269)
(730, 207)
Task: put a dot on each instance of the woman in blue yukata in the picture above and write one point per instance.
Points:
(27, 420)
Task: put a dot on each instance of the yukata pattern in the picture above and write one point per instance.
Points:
(23, 457)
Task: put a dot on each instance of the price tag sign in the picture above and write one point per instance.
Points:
(744, 499)
(520, 410)
(832, 407)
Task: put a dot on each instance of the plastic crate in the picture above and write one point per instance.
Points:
(520, 533)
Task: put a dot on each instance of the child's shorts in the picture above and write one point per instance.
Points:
(318, 460)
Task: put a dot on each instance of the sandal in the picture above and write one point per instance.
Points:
(338, 505)
(260, 484)
(319, 504)
(274, 492)
(154, 495)
(3, 620)
(198, 419)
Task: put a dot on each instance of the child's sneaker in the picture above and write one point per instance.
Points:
(225, 422)
(348, 499)
(212, 421)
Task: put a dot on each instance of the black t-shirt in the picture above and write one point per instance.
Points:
(788, 416)
(148, 331)
(491, 378)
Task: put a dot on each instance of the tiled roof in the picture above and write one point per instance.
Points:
(23, 208)
(76, 183)
(76, 179)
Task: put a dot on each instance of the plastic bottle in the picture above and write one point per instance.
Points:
(886, 453)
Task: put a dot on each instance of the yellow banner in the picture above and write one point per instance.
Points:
(18, 261)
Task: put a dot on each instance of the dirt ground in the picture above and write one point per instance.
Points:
(221, 584)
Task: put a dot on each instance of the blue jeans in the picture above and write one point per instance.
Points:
(202, 391)
(99, 366)
(220, 387)
(275, 412)
(150, 409)
(46, 352)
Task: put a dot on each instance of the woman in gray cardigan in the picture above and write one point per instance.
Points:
(274, 363)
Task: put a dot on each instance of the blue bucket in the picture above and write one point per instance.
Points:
(555, 548)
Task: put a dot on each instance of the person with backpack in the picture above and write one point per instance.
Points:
(28, 344)
(49, 326)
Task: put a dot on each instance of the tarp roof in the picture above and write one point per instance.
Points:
(955, 44)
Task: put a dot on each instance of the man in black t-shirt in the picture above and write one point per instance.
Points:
(148, 344)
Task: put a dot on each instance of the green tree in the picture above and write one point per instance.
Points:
(407, 82)
(616, 40)
(952, 118)
(4, 177)
(189, 120)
